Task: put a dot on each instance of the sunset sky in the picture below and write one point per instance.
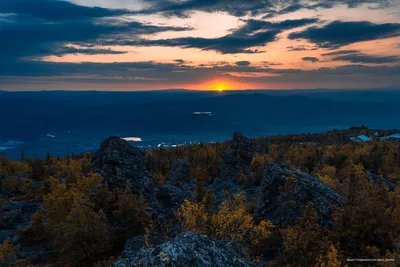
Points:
(198, 44)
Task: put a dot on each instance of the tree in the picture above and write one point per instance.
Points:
(304, 242)
(79, 232)
(38, 169)
(202, 177)
(232, 221)
(8, 252)
(193, 217)
(257, 166)
(22, 156)
(331, 259)
(208, 200)
(370, 223)
(327, 175)
(83, 235)
(130, 214)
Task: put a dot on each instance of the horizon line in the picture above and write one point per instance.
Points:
(205, 90)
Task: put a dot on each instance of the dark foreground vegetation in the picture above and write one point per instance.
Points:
(298, 200)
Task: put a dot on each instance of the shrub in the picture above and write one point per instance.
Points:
(8, 252)
(232, 221)
(78, 231)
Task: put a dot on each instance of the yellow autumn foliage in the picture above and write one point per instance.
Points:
(232, 221)
(7, 251)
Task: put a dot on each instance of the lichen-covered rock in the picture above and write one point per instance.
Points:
(132, 246)
(168, 198)
(230, 167)
(375, 179)
(179, 172)
(188, 249)
(226, 189)
(242, 151)
(121, 164)
(284, 193)
(17, 215)
(242, 148)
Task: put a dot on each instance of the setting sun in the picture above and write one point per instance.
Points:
(220, 86)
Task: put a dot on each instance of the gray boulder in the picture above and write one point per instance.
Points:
(17, 215)
(242, 148)
(284, 193)
(221, 187)
(169, 197)
(121, 164)
(179, 172)
(188, 249)
(132, 246)
(178, 187)
(375, 179)
(172, 196)
(230, 167)
(242, 152)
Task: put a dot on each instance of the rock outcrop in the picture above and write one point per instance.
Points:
(375, 179)
(179, 186)
(242, 148)
(188, 249)
(132, 246)
(242, 151)
(172, 196)
(284, 193)
(226, 189)
(121, 164)
(15, 216)
(229, 168)
(179, 172)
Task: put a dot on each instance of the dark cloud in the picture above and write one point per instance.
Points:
(56, 10)
(243, 63)
(293, 6)
(363, 58)
(36, 28)
(341, 52)
(32, 33)
(267, 63)
(44, 68)
(301, 48)
(170, 71)
(239, 8)
(254, 33)
(234, 7)
(310, 59)
(179, 61)
(87, 51)
(339, 33)
(355, 56)
(356, 3)
(290, 9)
(153, 73)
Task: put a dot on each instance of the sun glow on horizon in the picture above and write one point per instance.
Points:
(221, 86)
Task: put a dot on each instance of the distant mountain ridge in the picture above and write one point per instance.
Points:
(92, 116)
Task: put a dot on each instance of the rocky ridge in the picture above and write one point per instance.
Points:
(284, 193)
(122, 164)
(281, 198)
(239, 159)
(187, 249)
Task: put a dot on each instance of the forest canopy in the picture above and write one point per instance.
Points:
(65, 212)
